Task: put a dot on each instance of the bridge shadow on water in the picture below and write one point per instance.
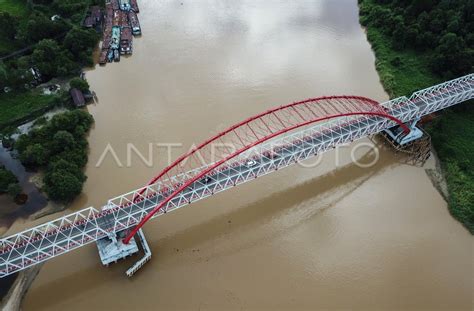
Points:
(279, 213)
(322, 192)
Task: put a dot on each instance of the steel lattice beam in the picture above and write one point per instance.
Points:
(51, 239)
(256, 131)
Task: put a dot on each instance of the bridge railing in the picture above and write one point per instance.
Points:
(325, 136)
(40, 243)
(444, 95)
(62, 235)
(402, 108)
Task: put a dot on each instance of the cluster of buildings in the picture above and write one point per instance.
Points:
(120, 25)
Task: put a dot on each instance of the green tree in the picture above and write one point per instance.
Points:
(8, 25)
(14, 190)
(62, 140)
(6, 178)
(80, 42)
(34, 155)
(17, 78)
(69, 166)
(451, 56)
(69, 121)
(3, 75)
(60, 147)
(39, 27)
(68, 8)
(61, 185)
(51, 59)
(46, 56)
(80, 84)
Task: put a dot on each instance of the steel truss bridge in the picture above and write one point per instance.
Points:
(255, 147)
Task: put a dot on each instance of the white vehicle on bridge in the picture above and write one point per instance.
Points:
(250, 163)
(301, 130)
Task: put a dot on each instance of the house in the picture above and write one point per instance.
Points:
(89, 22)
(77, 97)
(96, 14)
(94, 18)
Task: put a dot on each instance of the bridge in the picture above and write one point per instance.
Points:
(260, 145)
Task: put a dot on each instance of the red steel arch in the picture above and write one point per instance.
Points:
(204, 159)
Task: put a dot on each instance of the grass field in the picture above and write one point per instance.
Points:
(16, 106)
(401, 73)
(14, 7)
(453, 139)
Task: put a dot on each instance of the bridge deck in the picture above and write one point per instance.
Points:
(70, 232)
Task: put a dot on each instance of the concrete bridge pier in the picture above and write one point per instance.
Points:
(112, 249)
(416, 144)
(398, 136)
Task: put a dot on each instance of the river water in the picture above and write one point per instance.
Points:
(36, 201)
(333, 236)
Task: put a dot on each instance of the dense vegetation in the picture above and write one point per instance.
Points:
(79, 84)
(20, 107)
(419, 43)
(59, 147)
(442, 28)
(8, 182)
(48, 38)
(453, 138)
(59, 47)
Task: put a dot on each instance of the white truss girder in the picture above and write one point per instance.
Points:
(62, 235)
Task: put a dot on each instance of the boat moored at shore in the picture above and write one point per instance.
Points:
(134, 23)
(126, 41)
(120, 25)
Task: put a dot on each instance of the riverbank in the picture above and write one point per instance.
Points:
(60, 146)
(11, 211)
(57, 148)
(45, 43)
(12, 300)
(403, 71)
(14, 287)
(197, 71)
(119, 26)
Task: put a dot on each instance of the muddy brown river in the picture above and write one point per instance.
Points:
(335, 236)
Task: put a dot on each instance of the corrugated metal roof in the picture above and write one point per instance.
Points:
(77, 97)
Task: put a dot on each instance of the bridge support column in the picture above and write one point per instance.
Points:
(398, 136)
(416, 144)
(112, 248)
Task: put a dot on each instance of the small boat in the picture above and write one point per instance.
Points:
(110, 56)
(103, 57)
(116, 56)
(136, 29)
(126, 40)
(134, 5)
